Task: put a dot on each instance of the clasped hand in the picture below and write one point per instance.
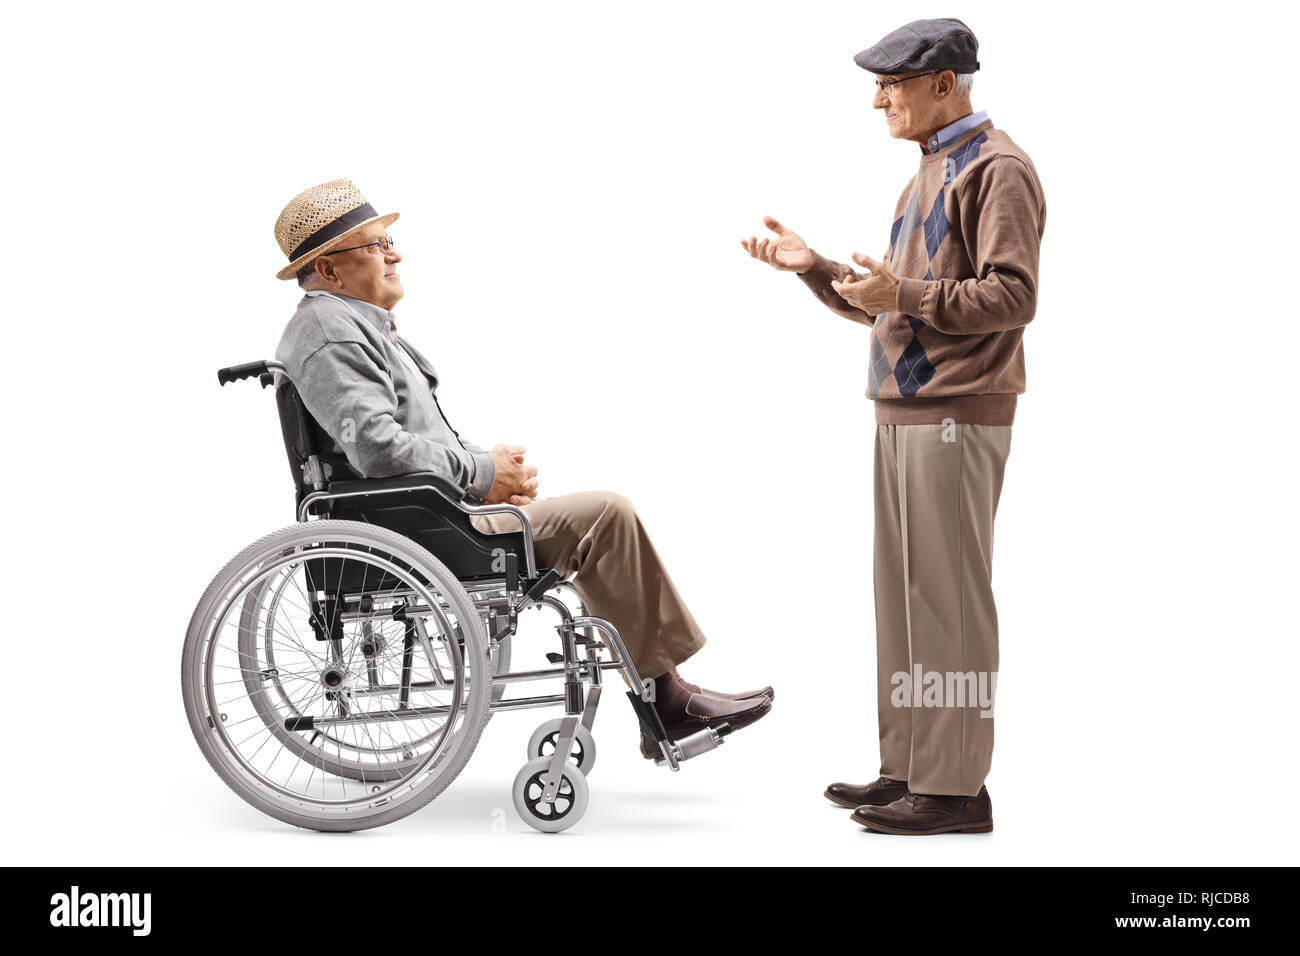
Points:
(515, 483)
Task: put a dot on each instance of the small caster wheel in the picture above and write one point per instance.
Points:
(582, 753)
(570, 801)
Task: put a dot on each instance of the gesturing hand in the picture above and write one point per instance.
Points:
(515, 483)
(876, 293)
(786, 252)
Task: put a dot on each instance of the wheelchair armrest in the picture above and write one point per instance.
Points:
(420, 481)
(375, 486)
(414, 481)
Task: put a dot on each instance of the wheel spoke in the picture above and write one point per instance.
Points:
(262, 665)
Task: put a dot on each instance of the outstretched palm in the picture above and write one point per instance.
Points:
(787, 252)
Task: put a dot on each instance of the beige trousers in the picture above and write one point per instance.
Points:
(597, 537)
(936, 495)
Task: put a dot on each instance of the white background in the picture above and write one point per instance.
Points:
(573, 179)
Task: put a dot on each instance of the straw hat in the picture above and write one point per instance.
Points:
(319, 219)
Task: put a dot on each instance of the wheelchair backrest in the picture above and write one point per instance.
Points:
(305, 441)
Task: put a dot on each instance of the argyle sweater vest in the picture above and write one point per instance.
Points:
(964, 244)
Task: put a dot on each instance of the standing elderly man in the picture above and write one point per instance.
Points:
(947, 308)
(376, 396)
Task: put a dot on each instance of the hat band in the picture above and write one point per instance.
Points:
(334, 229)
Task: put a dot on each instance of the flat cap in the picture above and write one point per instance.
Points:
(943, 44)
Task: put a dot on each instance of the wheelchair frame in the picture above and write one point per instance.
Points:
(498, 589)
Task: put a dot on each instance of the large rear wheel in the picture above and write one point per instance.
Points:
(336, 675)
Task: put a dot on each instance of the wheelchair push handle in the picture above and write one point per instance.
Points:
(261, 369)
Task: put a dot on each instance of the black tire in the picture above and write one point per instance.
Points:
(398, 790)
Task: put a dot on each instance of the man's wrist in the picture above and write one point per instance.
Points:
(911, 296)
(811, 265)
(485, 474)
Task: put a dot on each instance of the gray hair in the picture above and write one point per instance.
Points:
(306, 273)
(964, 82)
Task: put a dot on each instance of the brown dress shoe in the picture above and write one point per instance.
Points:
(920, 814)
(767, 692)
(702, 711)
(878, 793)
(723, 695)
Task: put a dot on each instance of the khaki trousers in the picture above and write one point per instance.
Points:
(936, 495)
(597, 537)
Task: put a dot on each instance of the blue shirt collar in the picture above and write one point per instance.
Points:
(953, 130)
(380, 318)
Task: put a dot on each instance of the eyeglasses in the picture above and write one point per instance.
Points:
(385, 246)
(889, 86)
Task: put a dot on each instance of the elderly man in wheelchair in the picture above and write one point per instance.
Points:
(338, 673)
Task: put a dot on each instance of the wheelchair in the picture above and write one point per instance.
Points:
(338, 673)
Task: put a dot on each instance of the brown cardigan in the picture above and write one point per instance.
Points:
(965, 246)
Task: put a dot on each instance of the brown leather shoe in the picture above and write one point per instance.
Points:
(767, 692)
(878, 793)
(702, 711)
(723, 695)
(921, 814)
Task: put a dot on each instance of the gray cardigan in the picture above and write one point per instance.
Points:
(377, 402)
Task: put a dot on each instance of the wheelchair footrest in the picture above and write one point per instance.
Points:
(700, 742)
